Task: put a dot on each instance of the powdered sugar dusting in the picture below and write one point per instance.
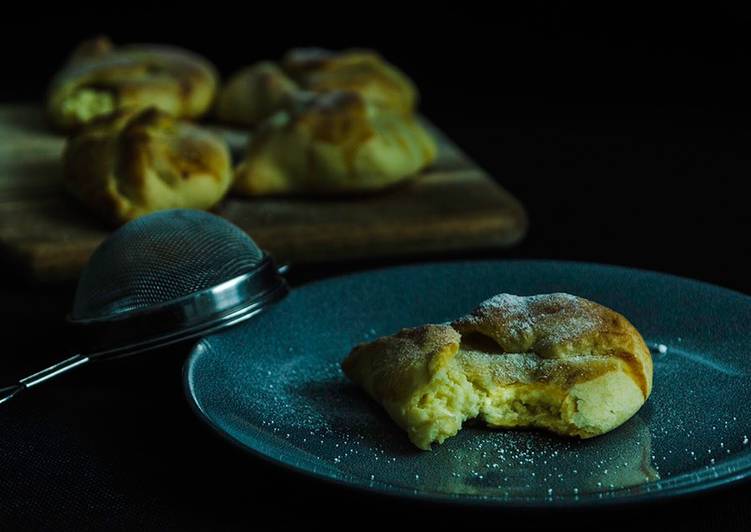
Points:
(535, 323)
(406, 348)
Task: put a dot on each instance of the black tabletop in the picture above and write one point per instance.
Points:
(655, 185)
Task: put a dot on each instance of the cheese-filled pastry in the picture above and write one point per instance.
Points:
(134, 162)
(554, 361)
(100, 78)
(331, 143)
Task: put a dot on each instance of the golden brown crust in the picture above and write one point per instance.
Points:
(337, 118)
(391, 366)
(560, 326)
(333, 143)
(362, 71)
(137, 161)
(254, 93)
(174, 80)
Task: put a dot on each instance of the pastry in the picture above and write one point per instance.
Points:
(99, 79)
(555, 361)
(362, 71)
(134, 162)
(333, 143)
(254, 93)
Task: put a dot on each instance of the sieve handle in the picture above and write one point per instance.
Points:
(9, 392)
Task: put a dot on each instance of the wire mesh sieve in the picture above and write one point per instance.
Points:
(160, 279)
(159, 258)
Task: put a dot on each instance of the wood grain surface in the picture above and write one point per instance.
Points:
(453, 206)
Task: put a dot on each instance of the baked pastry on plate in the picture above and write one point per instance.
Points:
(134, 162)
(362, 71)
(254, 93)
(555, 361)
(99, 79)
(330, 143)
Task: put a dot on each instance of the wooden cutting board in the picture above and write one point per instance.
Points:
(454, 206)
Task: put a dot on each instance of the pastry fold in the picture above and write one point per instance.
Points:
(358, 70)
(134, 162)
(99, 79)
(333, 143)
(254, 93)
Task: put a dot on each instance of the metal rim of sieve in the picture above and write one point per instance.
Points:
(187, 317)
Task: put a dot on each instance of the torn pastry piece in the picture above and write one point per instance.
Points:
(254, 93)
(333, 143)
(362, 71)
(99, 79)
(555, 361)
(135, 162)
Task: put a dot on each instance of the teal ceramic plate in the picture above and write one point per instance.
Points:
(273, 386)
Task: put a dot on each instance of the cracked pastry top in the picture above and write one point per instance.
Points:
(99, 79)
(554, 361)
(357, 70)
(134, 162)
(331, 143)
(256, 92)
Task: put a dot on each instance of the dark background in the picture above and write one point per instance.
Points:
(623, 131)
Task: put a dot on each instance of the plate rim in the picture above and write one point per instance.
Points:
(682, 490)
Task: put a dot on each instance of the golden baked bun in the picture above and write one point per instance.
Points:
(555, 361)
(254, 93)
(362, 71)
(333, 143)
(100, 79)
(135, 162)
